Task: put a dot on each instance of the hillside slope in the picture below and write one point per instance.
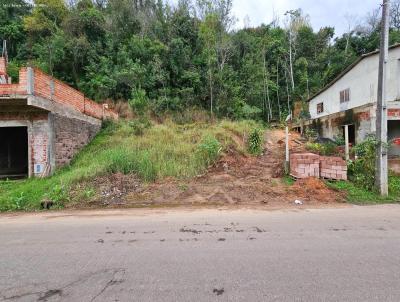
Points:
(143, 150)
(235, 179)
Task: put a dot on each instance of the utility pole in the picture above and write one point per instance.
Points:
(381, 171)
(291, 13)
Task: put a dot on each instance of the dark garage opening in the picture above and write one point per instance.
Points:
(13, 152)
(352, 134)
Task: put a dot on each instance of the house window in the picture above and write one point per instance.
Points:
(345, 95)
(320, 108)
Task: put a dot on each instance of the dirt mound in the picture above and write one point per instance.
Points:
(315, 189)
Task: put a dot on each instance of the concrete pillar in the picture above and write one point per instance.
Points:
(287, 149)
(346, 139)
(30, 81)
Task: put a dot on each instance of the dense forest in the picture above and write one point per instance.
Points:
(162, 57)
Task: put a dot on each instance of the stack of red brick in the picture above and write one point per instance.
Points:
(303, 165)
(333, 167)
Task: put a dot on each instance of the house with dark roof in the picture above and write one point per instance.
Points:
(351, 98)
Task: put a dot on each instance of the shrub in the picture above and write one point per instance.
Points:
(139, 101)
(165, 104)
(310, 134)
(329, 149)
(314, 147)
(255, 141)
(339, 140)
(362, 169)
(139, 125)
(394, 184)
(58, 195)
(209, 149)
(108, 126)
(326, 149)
(241, 110)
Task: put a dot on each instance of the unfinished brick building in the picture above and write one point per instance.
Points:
(43, 122)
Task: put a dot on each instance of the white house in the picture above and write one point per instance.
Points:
(351, 99)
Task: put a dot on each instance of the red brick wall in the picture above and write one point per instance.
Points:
(93, 109)
(3, 66)
(394, 112)
(61, 92)
(303, 165)
(69, 96)
(9, 89)
(52, 89)
(12, 89)
(364, 116)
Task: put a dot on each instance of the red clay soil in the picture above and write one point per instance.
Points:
(234, 180)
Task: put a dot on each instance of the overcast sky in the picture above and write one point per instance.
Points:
(321, 12)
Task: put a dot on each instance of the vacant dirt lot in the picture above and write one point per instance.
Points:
(234, 180)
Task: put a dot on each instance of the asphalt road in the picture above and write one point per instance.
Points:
(346, 254)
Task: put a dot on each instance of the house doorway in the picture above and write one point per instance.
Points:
(13, 152)
(352, 134)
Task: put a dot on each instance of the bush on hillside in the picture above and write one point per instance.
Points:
(255, 142)
(209, 149)
(325, 149)
(362, 170)
(139, 101)
(138, 126)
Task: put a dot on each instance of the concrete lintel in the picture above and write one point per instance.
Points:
(13, 97)
(15, 123)
(393, 105)
(60, 109)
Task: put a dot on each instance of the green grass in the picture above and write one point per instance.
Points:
(288, 180)
(156, 152)
(360, 195)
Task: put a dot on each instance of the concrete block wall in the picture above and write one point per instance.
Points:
(70, 136)
(304, 165)
(333, 167)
